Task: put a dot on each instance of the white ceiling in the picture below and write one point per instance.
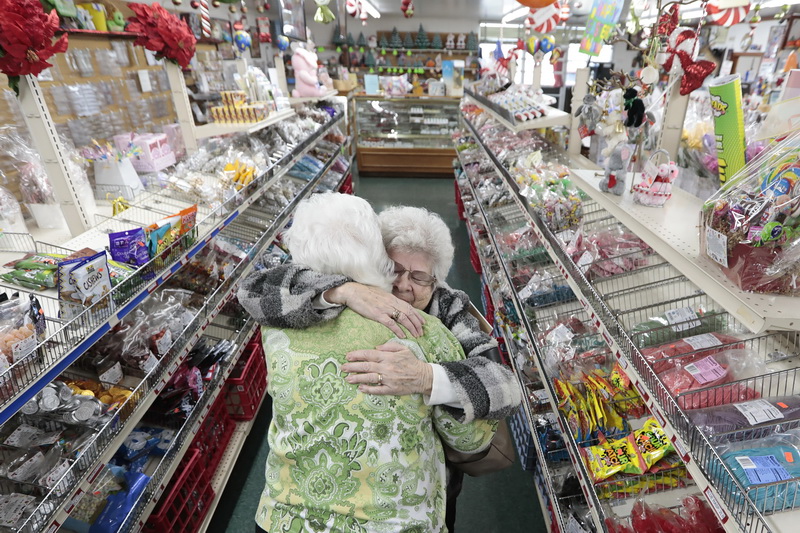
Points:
(485, 10)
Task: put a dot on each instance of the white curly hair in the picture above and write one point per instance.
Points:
(417, 230)
(336, 233)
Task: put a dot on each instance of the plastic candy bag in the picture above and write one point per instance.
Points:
(652, 442)
(613, 457)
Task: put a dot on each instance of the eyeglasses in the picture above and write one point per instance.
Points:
(417, 276)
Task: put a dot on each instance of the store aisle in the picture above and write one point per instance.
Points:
(502, 502)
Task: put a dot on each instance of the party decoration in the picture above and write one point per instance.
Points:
(422, 38)
(681, 51)
(407, 7)
(533, 44)
(667, 22)
(649, 75)
(395, 41)
(408, 42)
(353, 8)
(725, 17)
(547, 43)
(451, 41)
(242, 40)
(544, 19)
(205, 19)
(600, 26)
(383, 43)
(472, 41)
(361, 42)
(461, 43)
(536, 3)
(163, 33)
(323, 15)
(26, 39)
(282, 42)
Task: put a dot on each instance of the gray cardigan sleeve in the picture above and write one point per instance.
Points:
(281, 296)
(485, 388)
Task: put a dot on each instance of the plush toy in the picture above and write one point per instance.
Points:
(451, 41)
(635, 108)
(372, 41)
(589, 113)
(616, 169)
(116, 22)
(325, 78)
(306, 82)
(461, 44)
(611, 127)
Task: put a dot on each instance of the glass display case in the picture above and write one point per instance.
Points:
(409, 135)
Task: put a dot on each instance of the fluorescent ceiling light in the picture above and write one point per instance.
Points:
(499, 25)
(513, 15)
(370, 9)
(778, 3)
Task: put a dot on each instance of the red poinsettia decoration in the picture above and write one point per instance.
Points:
(163, 33)
(26, 39)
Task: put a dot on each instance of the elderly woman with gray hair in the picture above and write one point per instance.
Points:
(419, 243)
(340, 459)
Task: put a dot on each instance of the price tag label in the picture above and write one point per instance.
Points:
(717, 246)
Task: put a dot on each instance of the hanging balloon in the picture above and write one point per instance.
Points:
(547, 43)
(536, 3)
(533, 44)
(725, 17)
(283, 42)
(545, 19)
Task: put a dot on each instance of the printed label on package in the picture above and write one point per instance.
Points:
(762, 469)
(112, 375)
(699, 342)
(705, 370)
(717, 246)
(22, 348)
(758, 411)
(682, 319)
(585, 260)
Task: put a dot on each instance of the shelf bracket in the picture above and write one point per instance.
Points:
(578, 92)
(54, 157)
(674, 114)
(180, 100)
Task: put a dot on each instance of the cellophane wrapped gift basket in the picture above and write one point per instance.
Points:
(751, 226)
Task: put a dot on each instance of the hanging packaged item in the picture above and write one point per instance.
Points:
(751, 226)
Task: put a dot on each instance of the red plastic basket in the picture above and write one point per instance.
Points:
(248, 382)
(186, 501)
(214, 435)
(459, 202)
(347, 186)
(473, 257)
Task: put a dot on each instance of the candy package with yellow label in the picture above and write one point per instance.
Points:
(652, 442)
(613, 457)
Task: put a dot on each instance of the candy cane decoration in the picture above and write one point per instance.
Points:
(205, 19)
(726, 17)
(544, 19)
(353, 8)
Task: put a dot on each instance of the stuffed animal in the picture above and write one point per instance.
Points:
(116, 22)
(462, 41)
(612, 129)
(635, 108)
(325, 78)
(589, 113)
(372, 42)
(306, 82)
(616, 169)
(451, 41)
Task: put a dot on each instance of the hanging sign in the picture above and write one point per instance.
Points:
(600, 26)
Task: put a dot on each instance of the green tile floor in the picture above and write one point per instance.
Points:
(502, 502)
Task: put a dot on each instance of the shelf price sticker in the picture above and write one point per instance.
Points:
(717, 246)
(722, 516)
(758, 411)
(680, 449)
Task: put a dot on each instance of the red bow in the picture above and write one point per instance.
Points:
(694, 72)
(668, 21)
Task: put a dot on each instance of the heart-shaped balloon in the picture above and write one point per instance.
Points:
(694, 74)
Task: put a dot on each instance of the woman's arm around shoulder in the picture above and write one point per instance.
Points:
(486, 389)
(282, 296)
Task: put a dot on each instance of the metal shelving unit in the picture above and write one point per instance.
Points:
(554, 117)
(310, 99)
(614, 304)
(214, 129)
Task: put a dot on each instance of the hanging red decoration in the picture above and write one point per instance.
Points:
(163, 33)
(725, 17)
(681, 52)
(26, 39)
(544, 19)
(668, 21)
(536, 3)
(407, 7)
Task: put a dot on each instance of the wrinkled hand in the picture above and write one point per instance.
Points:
(375, 304)
(401, 371)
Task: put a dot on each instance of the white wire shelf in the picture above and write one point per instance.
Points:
(553, 117)
(214, 129)
(310, 99)
(68, 340)
(673, 232)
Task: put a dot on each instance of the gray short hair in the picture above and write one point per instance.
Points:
(336, 233)
(417, 230)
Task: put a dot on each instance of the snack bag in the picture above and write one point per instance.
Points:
(129, 247)
(613, 457)
(652, 442)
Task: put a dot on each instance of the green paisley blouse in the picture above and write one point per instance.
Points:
(341, 460)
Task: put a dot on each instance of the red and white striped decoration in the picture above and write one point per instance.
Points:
(544, 19)
(205, 18)
(353, 8)
(726, 17)
(565, 12)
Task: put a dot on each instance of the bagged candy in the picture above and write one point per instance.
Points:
(652, 442)
(129, 246)
(613, 457)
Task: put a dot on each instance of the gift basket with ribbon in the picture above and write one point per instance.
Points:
(655, 188)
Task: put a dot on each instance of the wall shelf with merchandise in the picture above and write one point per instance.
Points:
(624, 280)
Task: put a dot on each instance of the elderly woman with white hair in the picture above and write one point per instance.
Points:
(340, 459)
(419, 243)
